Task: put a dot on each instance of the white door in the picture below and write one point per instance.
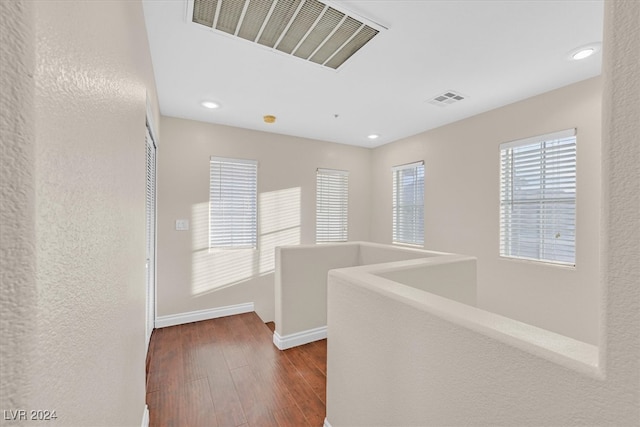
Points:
(151, 236)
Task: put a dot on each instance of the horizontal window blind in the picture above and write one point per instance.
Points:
(408, 203)
(332, 205)
(233, 203)
(538, 198)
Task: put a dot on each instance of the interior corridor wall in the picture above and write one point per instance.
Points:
(192, 278)
(462, 205)
(18, 291)
(78, 107)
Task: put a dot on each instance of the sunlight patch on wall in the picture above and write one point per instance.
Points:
(215, 269)
(219, 269)
(279, 224)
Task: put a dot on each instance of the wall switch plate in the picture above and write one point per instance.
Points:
(182, 224)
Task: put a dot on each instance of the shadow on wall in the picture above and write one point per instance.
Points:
(216, 269)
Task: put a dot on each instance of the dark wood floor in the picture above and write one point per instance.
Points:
(227, 372)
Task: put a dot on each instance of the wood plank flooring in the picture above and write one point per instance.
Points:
(227, 372)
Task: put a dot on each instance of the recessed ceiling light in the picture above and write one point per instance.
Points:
(210, 104)
(373, 136)
(584, 51)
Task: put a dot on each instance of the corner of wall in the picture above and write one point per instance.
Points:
(17, 209)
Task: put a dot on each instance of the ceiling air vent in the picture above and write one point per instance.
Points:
(446, 98)
(308, 29)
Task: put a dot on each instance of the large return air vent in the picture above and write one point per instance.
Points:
(308, 29)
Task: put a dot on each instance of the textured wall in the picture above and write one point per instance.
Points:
(462, 205)
(93, 70)
(471, 379)
(621, 194)
(189, 276)
(17, 213)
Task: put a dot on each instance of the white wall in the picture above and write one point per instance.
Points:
(401, 357)
(83, 207)
(17, 200)
(86, 358)
(301, 281)
(301, 284)
(189, 277)
(472, 377)
(462, 206)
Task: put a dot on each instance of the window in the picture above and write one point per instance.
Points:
(408, 204)
(332, 200)
(233, 203)
(538, 198)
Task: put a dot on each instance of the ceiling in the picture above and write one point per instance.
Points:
(491, 52)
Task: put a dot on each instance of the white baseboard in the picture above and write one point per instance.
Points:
(299, 338)
(145, 416)
(326, 423)
(195, 316)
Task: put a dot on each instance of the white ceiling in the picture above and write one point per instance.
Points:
(493, 52)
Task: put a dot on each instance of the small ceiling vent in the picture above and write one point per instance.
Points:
(308, 29)
(447, 98)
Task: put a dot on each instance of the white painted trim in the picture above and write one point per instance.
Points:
(151, 121)
(210, 313)
(145, 417)
(540, 138)
(326, 423)
(299, 338)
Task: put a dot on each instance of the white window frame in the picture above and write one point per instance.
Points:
(332, 205)
(538, 198)
(408, 204)
(233, 203)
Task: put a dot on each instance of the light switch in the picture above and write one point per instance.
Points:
(182, 224)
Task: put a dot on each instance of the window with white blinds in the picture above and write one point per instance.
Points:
(538, 198)
(233, 203)
(408, 203)
(332, 201)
